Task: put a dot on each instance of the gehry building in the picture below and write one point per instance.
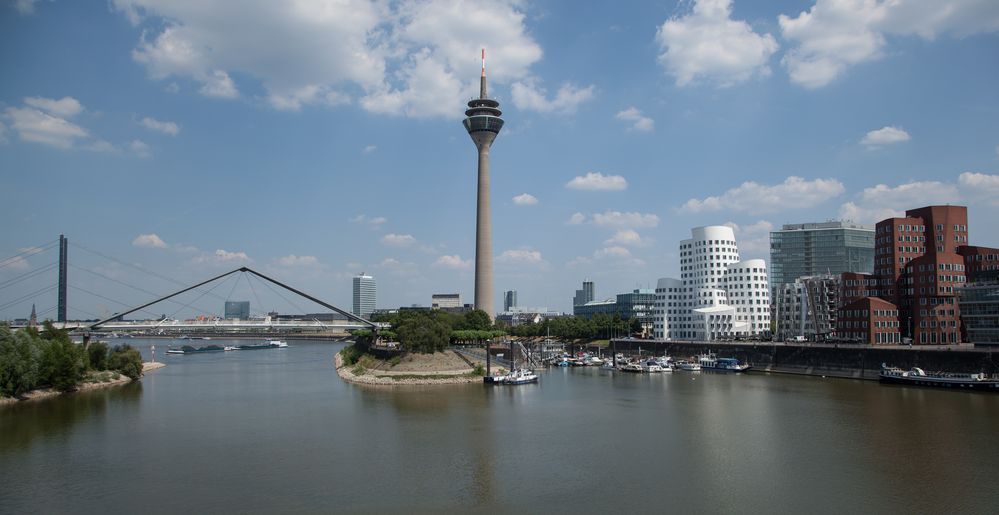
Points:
(717, 296)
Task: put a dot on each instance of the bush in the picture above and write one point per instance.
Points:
(20, 361)
(97, 353)
(127, 360)
(63, 362)
(479, 370)
(350, 354)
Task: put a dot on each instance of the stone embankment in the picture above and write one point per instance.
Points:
(94, 382)
(435, 370)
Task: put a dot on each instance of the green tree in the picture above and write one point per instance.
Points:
(127, 360)
(477, 320)
(20, 361)
(62, 361)
(424, 334)
(97, 353)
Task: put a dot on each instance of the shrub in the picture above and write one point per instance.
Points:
(63, 362)
(349, 355)
(20, 361)
(127, 360)
(97, 353)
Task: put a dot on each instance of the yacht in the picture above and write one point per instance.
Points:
(688, 366)
(631, 367)
(651, 366)
(919, 377)
(521, 376)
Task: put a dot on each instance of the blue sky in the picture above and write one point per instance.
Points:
(317, 140)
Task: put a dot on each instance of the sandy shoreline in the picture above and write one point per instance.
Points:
(48, 393)
(370, 378)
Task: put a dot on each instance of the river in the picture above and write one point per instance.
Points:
(278, 431)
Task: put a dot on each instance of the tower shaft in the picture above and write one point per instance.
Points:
(483, 237)
(63, 269)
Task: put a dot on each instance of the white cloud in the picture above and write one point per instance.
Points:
(101, 146)
(576, 219)
(520, 257)
(884, 136)
(453, 262)
(18, 262)
(149, 241)
(398, 240)
(139, 148)
(528, 95)
(980, 186)
(39, 127)
(411, 58)
(617, 254)
(707, 44)
(292, 260)
(370, 148)
(638, 121)
(25, 6)
(153, 124)
(882, 201)
(65, 107)
(368, 220)
(221, 257)
(834, 35)
(751, 197)
(627, 238)
(596, 181)
(626, 220)
(525, 199)
(753, 239)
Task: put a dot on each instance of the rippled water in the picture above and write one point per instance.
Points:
(278, 431)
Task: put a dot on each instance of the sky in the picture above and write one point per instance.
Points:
(174, 140)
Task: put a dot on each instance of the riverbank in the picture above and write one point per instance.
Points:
(413, 369)
(93, 381)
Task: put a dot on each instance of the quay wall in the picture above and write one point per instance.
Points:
(843, 360)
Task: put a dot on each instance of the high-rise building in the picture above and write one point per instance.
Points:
(717, 296)
(584, 295)
(639, 304)
(806, 308)
(483, 123)
(237, 309)
(509, 300)
(810, 249)
(364, 295)
(445, 300)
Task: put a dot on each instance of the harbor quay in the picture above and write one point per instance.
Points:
(855, 361)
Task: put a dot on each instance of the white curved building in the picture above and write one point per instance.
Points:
(717, 296)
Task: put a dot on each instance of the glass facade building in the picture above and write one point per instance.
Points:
(979, 304)
(237, 309)
(364, 296)
(805, 250)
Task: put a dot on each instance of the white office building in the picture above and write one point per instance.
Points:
(364, 296)
(717, 296)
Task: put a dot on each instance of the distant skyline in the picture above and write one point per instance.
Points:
(318, 140)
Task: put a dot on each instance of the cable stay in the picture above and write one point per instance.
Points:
(30, 251)
(27, 275)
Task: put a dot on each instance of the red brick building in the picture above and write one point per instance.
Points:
(869, 320)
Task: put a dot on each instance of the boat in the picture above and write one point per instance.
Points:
(666, 363)
(608, 365)
(651, 366)
(631, 367)
(521, 376)
(919, 377)
(710, 362)
(495, 379)
(270, 344)
(688, 366)
(187, 349)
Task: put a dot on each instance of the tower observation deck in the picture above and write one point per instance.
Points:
(483, 123)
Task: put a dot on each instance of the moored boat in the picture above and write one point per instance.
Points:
(688, 366)
(188, 349)
(521, 376)
(918, 377)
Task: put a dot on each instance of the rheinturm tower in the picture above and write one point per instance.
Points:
(483, 123)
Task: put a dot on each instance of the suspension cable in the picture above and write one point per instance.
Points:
(269, 287)
(27, 275)
(108, 299)
(98, 274)
(28, 252)
(255, 296)
(198, 298)
(31, 295)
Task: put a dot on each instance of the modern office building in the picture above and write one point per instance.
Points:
(483, 123)
(584, 295)
(509, 300)
(445, 300)
(717, 296)
(237, 309)
(806, 308)
(364, 296)
(639, 304)
(979, 304)
(811, 249)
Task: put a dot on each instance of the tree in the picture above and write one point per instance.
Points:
(20, 361)
(97, 353)
(62, 361)
(424, 334)
(477, 320)
(127, 360)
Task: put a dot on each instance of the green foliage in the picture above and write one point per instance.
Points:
(475, 336)
(577, 327)
(97, 353)
(479, 370)
(63, 362)
(425, 334)
(349, 355)
(475, 320)
(20, 360)
(127, 360)
(395, 360)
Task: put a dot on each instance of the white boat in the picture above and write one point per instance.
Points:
(688, 366)
(521, 376)
(651, 367)
(608, 365)
(631, 367)
(278, 343)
